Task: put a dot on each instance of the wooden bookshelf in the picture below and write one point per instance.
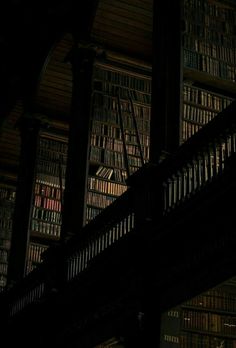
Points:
(200, 106)
(206, 320)
(209, 75)
(47, 200)
(120, 134)
(209, 60)
(7, 200)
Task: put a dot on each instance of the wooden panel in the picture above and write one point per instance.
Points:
(125, 26)
(10, 139)
(55, 87)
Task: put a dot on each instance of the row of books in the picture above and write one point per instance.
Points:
(49, 180)
(210, 42)
(207, 64)
(46, 229)
(110, 173)
(215, 12)
(128, 122)
(52, 155)
(113, 158)
(47, 203)
(52, 146)
(214, 299)
(198, 115)
(205, 98)
(114, 132)
(50, 168)
(106, 186)
(101, 141)
(47, 190)
(35, 252)
(123, 78)
(194, 340)
(3, 255)
(99, 200)
(109, 104)
(208, 48)
(92, 212)
(208, 321)
(105, 114)
(7, 194)
(189, 129)
(47, 215)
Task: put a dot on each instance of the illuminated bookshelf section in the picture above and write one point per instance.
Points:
(207, 320)
(49, 185)
(120, 136)
(7, 203)
(209, 59)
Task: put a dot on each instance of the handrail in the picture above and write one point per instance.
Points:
(197, 162)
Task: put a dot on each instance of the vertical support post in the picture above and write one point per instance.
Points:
(74, 214)
(166, 79)
(142, 330)
(29, 130)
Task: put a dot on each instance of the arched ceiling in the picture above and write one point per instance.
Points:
(37, 35)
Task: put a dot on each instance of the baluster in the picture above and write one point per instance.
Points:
(74, 265)
(183, 184)
(220, 151)
(209, 165)
(102, 237)
(179, 185)
(89, 251)
(113, 234)
(203, 170)
(194, 175)
(173, 191)
(188, 184)
(97, 245)
(165, 195)
(68, 261)
(120, 229)
(110, 235)
(101, 242)
(226, 150)
(198, 172)
(214, 164)
(233, 142)
(92, 248)
(80, 261)
(230, 145)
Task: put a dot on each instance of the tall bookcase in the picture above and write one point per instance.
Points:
(7, 200)
(119, 145)
(200, 106)
(209, 75)
(47, 199)
(120, 134)
(209, 58)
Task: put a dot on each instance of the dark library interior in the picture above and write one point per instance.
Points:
(117, 173)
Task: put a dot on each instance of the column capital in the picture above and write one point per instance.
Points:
(30, 122)
(83, 52)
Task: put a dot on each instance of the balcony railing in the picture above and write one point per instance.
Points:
(154, 191)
